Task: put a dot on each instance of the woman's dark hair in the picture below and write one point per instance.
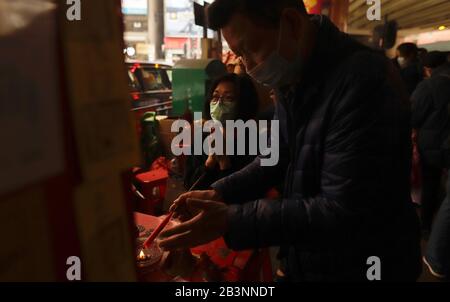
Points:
(246, 96)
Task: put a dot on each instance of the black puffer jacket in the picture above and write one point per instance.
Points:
(195, 171)
(412, 75)
(345, 158)
(431, 115)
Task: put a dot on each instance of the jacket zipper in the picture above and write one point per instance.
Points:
(292, 147)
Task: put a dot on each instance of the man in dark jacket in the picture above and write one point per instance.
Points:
(344, 153)
(431, 118)
(411, 69)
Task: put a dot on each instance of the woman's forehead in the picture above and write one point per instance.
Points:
(225, 87)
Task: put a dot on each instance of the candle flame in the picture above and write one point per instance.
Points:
(141, 255)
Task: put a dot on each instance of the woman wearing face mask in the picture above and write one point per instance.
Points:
(231, 97)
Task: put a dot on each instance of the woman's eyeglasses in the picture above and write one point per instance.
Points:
(224, 98)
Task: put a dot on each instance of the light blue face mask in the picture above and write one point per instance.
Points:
(276, 71)
(223, 111)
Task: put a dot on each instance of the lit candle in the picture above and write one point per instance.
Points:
(142, 255)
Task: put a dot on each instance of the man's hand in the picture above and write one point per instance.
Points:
(209, 222)
(222, 161)
(211, 162)
(179, 205)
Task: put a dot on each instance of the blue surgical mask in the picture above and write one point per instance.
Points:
(276, 71)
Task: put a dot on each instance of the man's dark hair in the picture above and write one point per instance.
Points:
(261, 12)
(408, 50)
(435, 59)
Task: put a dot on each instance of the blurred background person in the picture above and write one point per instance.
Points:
(421, 55)
(239, 67)
(410, 67)
(431, 120)
(437, 256)
(230, 67)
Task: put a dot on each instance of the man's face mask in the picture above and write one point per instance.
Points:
(276, 71)
(222, 110)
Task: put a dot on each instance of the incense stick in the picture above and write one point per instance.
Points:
(166, 220)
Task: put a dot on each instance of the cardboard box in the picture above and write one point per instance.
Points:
(166, 135)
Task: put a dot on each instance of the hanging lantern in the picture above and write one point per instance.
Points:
(313, 6)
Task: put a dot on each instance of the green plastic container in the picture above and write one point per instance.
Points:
(191, 80)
